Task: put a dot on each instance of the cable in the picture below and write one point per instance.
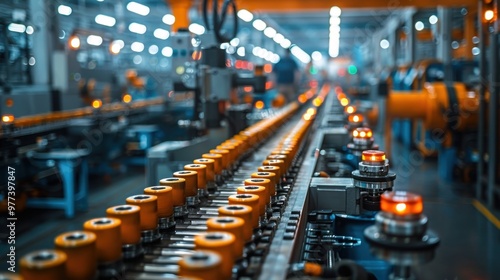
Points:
(218, 22)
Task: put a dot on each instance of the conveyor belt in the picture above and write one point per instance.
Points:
(272, 144)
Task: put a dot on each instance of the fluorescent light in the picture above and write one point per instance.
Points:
(433, 19)
(137, 46)
(30, 30)
(168, 19)
(167, 51)
(137, 59)
(476, 51)
(235, 42)
(285, 44)
(241, 51)
(334, 29)
(16, 27)
(224, 46)
(137, 8)
(259, 24)
(419, 26)
(300, 54)
(335, 11)
(245, 15)
(116, 46)
(269, 56)
(316, 56)
(275, 59)
(64, 10)
(384, 44)
(270, 32)
(333, 47)
(334, 21)
(278, 38)
(161, 33)
(196, 28)
(137, 28)
(94, 40)
(153, 49)
(105, 20)
(256, 51)
(262, 53)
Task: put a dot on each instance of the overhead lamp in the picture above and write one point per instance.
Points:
(16, 27)
(153, 49)
(115, 47)
(29, 30)
(137, 46)
(245, 15)
(138, 8)
(167, 51)
(259, 24)
(168, 19)
(196, 28)
(161, 33)
(335, 11)
(433, 19)
(316, 56)
(334, 21)
(270, 32)
(235, 42)
(278, 38)
(74, 42)
(285, 43)
(64, 10)
(94, 40)
(300, 54)
(241, 51)
(489, 15)
(419, 26)
(384, 44)
(105, 20)
(137, 28)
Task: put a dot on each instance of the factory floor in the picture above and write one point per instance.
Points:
(470, 242)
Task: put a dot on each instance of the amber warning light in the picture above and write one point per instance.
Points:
(362, 133)
(373, 156)
(401, 203)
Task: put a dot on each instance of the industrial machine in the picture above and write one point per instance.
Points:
(258, 206)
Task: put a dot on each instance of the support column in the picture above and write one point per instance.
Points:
(481, 133)
(42, 15)
(444, 40)
(411, 37)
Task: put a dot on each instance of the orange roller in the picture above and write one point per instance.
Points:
(201, 264)
(258, 190)
(284, 158)
(238, 144)
(108, 242)
(226, 161)
(149, 210)
(233, 225)
(217, 158)
(191, 178)
(209, 171)
(223, 244)
(276, 162)
(164, 196)
(201, 170)
(271, 169)
(247, 199)
(266, 183)
(178, 189)
(233, 154)
(243, 212)
(130, 228)
(243, 139)
(271, 176)
(80, 248)
(44, 265)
